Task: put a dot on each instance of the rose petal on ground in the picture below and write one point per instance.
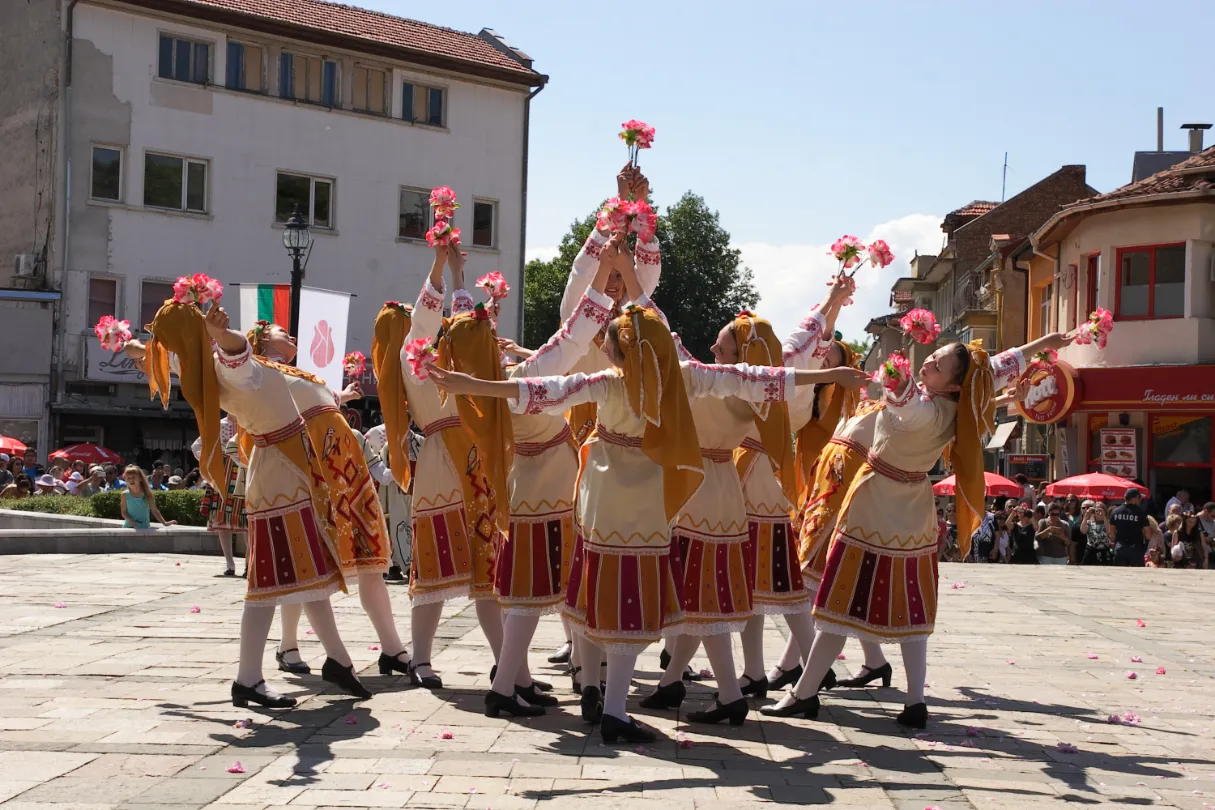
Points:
(841, 657)
(1160, 670)
(61, 604)
(1140, 623)
(1130, 676)
(1092, 656)
(196, 609)
(447, 735)
(236, 767)
(1136, 659)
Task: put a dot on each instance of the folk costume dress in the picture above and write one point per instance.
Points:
(769, 479)
(880, 580)
(648, 257)
(534, 562)
(624, 591)
(362, 535)
(455, 532)
(224, 507)
(292, 554)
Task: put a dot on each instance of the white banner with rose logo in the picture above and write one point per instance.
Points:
(323, 319)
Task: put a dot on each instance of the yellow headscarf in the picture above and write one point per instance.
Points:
(470, 345)
(391, 327)
(182, 330)
(833, 404)
(758, 346)
(255, 335)
(976, 418)
(654, 382)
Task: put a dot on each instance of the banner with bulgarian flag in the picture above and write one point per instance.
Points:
(323, 320)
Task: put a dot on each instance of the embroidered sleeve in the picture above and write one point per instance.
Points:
(196, 448)
(427, 313)
(227, 429)
(461, 301)
(236, 370)
(649, 266)
(559, 394)
(1006, 367)
(804, 348)
(750, 383)
(586, 265)
(559, 354)
(911, 409)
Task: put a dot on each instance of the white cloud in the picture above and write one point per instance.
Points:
(544, 254)
(792, 278)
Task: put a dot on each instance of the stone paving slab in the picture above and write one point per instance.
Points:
(118, 701)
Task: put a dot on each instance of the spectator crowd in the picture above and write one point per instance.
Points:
(23, 477)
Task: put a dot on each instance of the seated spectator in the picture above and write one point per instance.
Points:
(1193, 545)
(49, 485)
(156, 481)
(1180, 500)
(19, 488)
(113, 483)
(6, 476)
(31, 468)
(1153, 559)
(73, 483)
(174, 483)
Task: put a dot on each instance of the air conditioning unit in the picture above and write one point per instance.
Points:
(23, 264)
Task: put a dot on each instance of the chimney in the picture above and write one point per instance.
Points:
(1196, 131)
(1160, 129)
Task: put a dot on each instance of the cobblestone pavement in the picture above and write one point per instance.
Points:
(113, 694)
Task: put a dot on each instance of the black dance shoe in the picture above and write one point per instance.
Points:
(592, 705)
(431, 682)
(754, 688)
(562, 655)
(242, 696)
(735, 712)
(664, 697)
(393, 663)
(612, 728)
(344, 678)
(286, 666)
(535, 697)
(829, 681)
(807, 707)
(495, 704)
(884, 673)
(914, 716)
(788, 677)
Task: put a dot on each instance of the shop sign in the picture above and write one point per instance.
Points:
(1034, 466)
(102, 365)
(1119, 452)
(1053, 394)
(1149, 388)
(1164, 427)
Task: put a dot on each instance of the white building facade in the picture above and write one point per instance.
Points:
(192, 129)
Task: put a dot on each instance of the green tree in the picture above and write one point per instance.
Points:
(861, 347)
(704, 283)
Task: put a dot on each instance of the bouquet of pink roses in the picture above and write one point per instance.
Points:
(495, 286)
(443, 201)
(893, 373)
(1044, 360)
(611, 216)
(443, 234)
(354, 364)
(1097, 329)
(197, 289)
(421, 355)
(641, 220)
(920, 325)
(637, 135)
(851, 252)
(113, 333)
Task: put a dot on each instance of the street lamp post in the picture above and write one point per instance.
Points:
(297, 240)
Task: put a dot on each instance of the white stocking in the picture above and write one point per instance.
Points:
(874, 657)
(826, 649)
(289, 639)
(489, 616)
(255, 623)
(424, 623)
(320, 616)
(619, 675)
(517, 635)
(682, 648)
(790, 660)
(801, 637)
(720, 650)
(225, 545)
(915, 663)
(377, 604)
(591, 656)
(753, 649)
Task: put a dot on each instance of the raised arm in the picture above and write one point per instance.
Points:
(234, 356)
(760, 383)
(532, 394)
(559, 354)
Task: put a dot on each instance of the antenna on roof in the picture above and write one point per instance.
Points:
(1004, 178)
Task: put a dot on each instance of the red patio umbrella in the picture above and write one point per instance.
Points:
(1094, 485)
(14, 447)
(997, 486)
(88, 453)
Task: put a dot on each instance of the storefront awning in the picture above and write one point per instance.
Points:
(1001, 435)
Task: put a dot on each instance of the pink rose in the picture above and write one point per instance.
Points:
(354, 364)
(443, 201)
(920, 325)
(880, 254)
(421, 355)
(322, 344)
(847, 250)
(893, 373)
(443, 234)
(495, 285)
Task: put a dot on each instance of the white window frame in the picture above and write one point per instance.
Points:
(138, 327)
(265, 49)
(195, 40)
(311, 212)
(493, 242)
(186, 160)
(387, 71)
(122, 162)
(430, 213)
(429, 86)
(295, 54)
(117, 313)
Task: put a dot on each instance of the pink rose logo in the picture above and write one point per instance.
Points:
(322, 344)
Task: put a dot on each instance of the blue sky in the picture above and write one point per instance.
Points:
(803, 121)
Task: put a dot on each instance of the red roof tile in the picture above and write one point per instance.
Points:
(974, 208)
(375, 27)
(1188, 175)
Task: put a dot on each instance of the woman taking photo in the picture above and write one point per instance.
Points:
(1098, 541)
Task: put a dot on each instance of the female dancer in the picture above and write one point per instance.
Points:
(880, 582)
(292, 554)
(362, 536)
(638, 472)
(456, 525)
(224, 507)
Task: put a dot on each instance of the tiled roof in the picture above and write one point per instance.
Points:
(1188, 175)
(974, 208)
(376, 27)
